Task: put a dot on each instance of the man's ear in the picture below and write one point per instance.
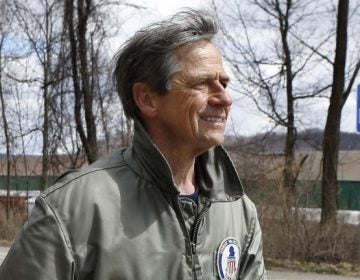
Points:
(144, 99)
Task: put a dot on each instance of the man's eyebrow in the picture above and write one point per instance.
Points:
(210, 76)
(225, 78)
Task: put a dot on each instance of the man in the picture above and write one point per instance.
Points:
(171, 206)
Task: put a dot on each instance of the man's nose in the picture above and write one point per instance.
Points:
(219, 96)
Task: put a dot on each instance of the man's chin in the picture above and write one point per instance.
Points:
(215, 139)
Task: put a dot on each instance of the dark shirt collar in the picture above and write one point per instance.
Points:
(194, 196)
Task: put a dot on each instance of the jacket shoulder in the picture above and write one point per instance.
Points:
(92, 174)
(86, 198)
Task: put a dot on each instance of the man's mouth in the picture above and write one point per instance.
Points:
(213, 119)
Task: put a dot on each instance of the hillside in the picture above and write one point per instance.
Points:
(274, 142)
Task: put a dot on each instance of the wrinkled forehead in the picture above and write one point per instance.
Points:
(196, 56)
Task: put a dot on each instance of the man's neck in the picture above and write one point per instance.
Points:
(182, 164)
(180, 157)
(183, 172)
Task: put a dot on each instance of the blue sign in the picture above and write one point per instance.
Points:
(358, 110)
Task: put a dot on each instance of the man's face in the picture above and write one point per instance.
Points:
(193, 113)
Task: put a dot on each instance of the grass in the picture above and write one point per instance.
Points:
(10, 227)
(342, 268)
(293, 237)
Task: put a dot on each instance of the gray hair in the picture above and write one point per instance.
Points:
(149, 56)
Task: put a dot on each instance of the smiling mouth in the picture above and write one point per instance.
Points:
(213, 119)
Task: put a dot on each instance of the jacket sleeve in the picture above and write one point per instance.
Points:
(40, 250)
(252, 262)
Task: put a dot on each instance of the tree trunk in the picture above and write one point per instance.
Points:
(288, 180)
(46, 100)
(83, 93)
(7, 137)
(84, 10)
(332, 128)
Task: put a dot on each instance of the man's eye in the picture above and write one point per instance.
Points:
(224, 84)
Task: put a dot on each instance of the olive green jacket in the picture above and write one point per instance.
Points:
(121, 218)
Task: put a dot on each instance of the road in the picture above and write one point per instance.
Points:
(273, 274)
(294, 275)
(3, 252)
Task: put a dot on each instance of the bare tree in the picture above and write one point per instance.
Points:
(339, 94)
(6, 129)
(64, 63)
(277, 56)
(41, 26)
(265, 45)
(4, 30)
(22, 134)
(79, 59)
(87, 31)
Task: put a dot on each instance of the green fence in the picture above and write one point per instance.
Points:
(23, 183)
(309, 192)
(348, 195)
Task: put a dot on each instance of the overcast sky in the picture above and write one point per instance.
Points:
(244, 118)
(167, 7)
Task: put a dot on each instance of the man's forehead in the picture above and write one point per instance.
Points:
(200, 59)
(196, 50)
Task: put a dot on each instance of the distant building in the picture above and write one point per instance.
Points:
(25, 179)
(262, 169)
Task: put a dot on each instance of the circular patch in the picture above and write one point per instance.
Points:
(228, 257)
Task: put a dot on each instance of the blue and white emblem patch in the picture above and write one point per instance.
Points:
(228, 256)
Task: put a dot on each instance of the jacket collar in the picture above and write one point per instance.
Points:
(215, 172)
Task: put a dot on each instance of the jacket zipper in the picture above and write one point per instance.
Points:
(197, 222)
